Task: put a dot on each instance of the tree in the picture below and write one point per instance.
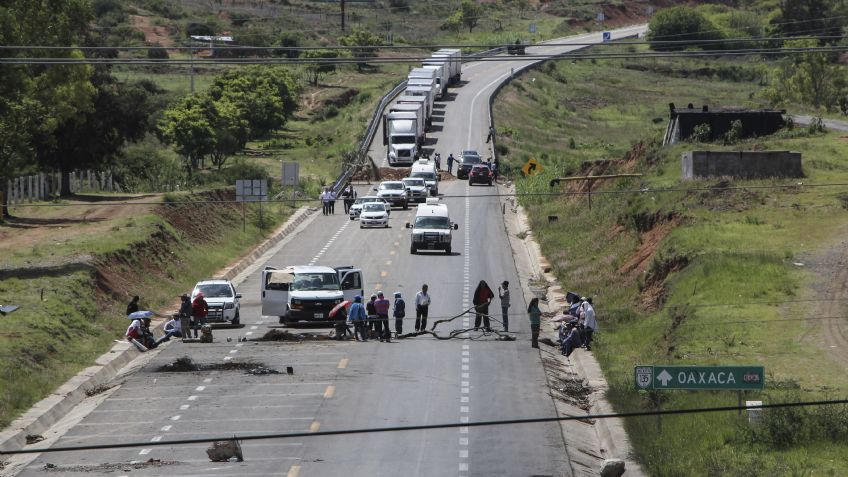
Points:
(682, 24)
(366, 42)
(35, 99)
(232, 130)
(801, 17)
(187, 127)
(471, 12)
(453, 23)
(316, 71)
(522, 6)
(808, 78)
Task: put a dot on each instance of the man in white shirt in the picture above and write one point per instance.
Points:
(325, 201)
(422, 306)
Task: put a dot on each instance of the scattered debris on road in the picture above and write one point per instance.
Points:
(223, 451)
(185, 364)
(99, 389)
(568, 385)
(262, 370)
(109, 467)
(285, 335)
(33, 438)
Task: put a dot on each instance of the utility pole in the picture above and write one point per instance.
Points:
(342, 2)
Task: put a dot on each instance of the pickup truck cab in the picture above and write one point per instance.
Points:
(307, 293)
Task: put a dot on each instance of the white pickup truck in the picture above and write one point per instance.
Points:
(307, 293)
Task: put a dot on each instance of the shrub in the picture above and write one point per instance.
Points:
(157, 53)
(734, 135)
(701, 133)
(502, 149)
(682, 24)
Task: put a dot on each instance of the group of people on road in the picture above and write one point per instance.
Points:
(328, 201)
(374, 315)
(187, 323)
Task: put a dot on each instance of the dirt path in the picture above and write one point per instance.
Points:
(152, 34)
(33, 226)
(828, 324)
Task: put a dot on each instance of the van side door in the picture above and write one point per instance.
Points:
(275, 292)
(351, 283)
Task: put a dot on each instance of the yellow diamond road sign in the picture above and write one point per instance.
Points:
(531, 168)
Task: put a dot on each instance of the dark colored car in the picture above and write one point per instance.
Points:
(467, 160)
(515, 49)
(480, 174)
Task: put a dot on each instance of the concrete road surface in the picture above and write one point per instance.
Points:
(344, 385)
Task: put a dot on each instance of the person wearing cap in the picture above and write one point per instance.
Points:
(399, 313)
(199, 311)
(356, 315)
(185, 316)
(381, 307)
(590, 323)
(422, 307)
(371, 311)
(503, 294)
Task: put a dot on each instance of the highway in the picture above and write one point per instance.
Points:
(344, 385)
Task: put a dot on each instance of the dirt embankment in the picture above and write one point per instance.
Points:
(196, 221)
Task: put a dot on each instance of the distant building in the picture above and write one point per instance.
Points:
(755, 122)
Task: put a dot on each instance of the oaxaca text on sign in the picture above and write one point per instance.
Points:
(699, 377)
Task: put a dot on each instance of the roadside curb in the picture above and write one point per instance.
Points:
(50, 410)
(587, 445)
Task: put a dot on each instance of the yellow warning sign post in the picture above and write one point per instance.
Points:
(531, 168)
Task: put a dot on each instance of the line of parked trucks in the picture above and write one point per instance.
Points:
(406, 123)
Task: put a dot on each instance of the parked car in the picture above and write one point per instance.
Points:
(467, 160)
(356, 208)
(222, 299)
(417, 188)
(393, 192)
(480, 174)
(516, 49)
(374, 214)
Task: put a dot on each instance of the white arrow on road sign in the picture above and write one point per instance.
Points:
(664, 377)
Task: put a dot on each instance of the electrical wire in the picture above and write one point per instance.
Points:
(428, 427)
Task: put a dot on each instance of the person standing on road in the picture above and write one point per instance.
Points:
(491, 136)
(503, 294)
(325, 201)
(590, 324)
(422, 307)
(451, 160)
(349, 195)
(199, 311)
(371, 311)
(399, 313)
(534, 314)
(482, 297)
(185, 316)
(382, 306)
(438, 162)
(357, 316)
(333, 198)
(132, 307)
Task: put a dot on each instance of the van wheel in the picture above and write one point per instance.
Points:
(236, 319)
(412, 250)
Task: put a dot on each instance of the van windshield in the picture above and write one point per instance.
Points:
(430, 222)
(315, 282)
(427, 176)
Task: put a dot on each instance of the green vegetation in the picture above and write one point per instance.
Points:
(702, 275)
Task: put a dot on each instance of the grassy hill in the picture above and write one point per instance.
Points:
(713, 271)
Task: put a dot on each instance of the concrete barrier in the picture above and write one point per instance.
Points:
(741, 164)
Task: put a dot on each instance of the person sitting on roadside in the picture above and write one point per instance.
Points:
(571, 341)
(172, 328)
(139, 330)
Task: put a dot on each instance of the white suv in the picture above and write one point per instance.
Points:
(222, 299)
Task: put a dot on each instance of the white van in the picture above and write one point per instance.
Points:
(307, 293)
(432, 227)
(426, 169)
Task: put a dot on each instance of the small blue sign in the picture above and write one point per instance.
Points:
(607, 36)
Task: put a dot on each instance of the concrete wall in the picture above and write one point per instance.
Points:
(741, 164)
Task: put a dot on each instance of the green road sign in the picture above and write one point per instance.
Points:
(699, 377)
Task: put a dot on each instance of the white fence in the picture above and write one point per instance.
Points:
(42, 186)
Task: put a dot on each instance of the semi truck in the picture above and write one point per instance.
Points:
(400, 136)
(422, 100)
(454, 57)
(427, 76)
(418, 110)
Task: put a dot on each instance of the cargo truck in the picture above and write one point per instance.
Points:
(425, 92)
(400, 136)
(455, 62)
(441, 68)
(426, 76)
(425, 82)
(418, 110)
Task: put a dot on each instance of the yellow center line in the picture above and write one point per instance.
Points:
(391, 252)
(314, 426)
(343, 363)
(294, 471)
(388, 262)
(383, 274)
(328, 393)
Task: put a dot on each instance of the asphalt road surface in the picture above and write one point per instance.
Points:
(345, 385)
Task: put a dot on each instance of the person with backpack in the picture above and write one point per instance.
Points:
(357, 316)
(199, 312)
(399, 313)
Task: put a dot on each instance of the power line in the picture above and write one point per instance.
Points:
(463, 196)
(427, 427)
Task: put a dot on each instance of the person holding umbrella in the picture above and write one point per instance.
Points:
(339, 314)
